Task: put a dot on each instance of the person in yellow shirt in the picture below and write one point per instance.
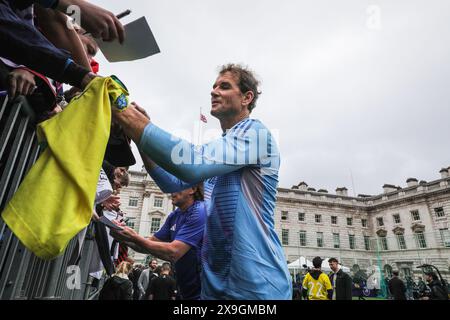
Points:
(316, 284)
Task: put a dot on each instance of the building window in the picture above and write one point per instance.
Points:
(445, 235)
(336, 241)
(396, 218)
(302, 238)
(318, 218)
(401, 242)
(320, 239)
(333, 219)
(351, 241)
(130, 223)
(380, 221)
(301, 216)
(349, 221)
(285, 237)
(439, 212)
(133, 202)
(367, 242)
(415, 215)
(284, 215)
(384, 244)
(420, 239)
(158, 202)
(364, 223)
(156, 222)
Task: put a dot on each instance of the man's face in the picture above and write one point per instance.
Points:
(90, 46)
(118, 174)
(153, 264)
(428, 278)
(120, 171)
(182, 197)
(226, 97)
(333, 265)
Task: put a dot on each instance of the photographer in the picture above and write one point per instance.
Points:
(437, 289)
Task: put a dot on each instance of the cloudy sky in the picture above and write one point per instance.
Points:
(350, 87)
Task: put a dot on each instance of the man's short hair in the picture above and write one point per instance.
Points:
(246, 81)
(333, 260)
(165, 267)
(395, 273)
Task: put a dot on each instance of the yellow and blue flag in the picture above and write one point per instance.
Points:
(55, 200)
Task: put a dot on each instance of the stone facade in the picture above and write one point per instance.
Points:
(415, 222)
(415, 225)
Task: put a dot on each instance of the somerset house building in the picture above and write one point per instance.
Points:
(399, 229)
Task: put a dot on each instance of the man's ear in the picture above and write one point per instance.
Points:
(247, 98)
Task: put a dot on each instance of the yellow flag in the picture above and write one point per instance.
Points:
(55, 200)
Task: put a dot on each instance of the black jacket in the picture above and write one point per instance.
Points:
(343, 285)
(397, 288)
(116, 288)
(27, 46)
(438, 292)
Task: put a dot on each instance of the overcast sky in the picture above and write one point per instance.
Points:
(357, 87)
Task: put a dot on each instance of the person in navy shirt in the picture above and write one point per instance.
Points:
(179, 240)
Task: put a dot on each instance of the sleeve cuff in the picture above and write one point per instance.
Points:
(74, 73)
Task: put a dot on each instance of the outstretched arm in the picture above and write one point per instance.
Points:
(170, 251)
(166, 182)
(182, 159)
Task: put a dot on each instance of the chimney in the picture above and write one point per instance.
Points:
(444, 173)
(389, 188)
(342, 191)
(412, 182)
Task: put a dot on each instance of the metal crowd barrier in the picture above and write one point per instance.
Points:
(22, 274)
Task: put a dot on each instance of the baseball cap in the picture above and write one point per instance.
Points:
(317, 262)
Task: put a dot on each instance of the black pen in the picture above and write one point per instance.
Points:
(123, 14)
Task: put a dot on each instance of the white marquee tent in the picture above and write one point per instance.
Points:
(297, 265)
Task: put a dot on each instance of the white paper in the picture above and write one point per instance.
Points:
(139, 43)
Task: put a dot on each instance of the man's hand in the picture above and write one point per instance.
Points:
(86, 79)
(21, 82)
(112, 203)
(140, 109)
(133, 120)
(99, 22)
(125, 235)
